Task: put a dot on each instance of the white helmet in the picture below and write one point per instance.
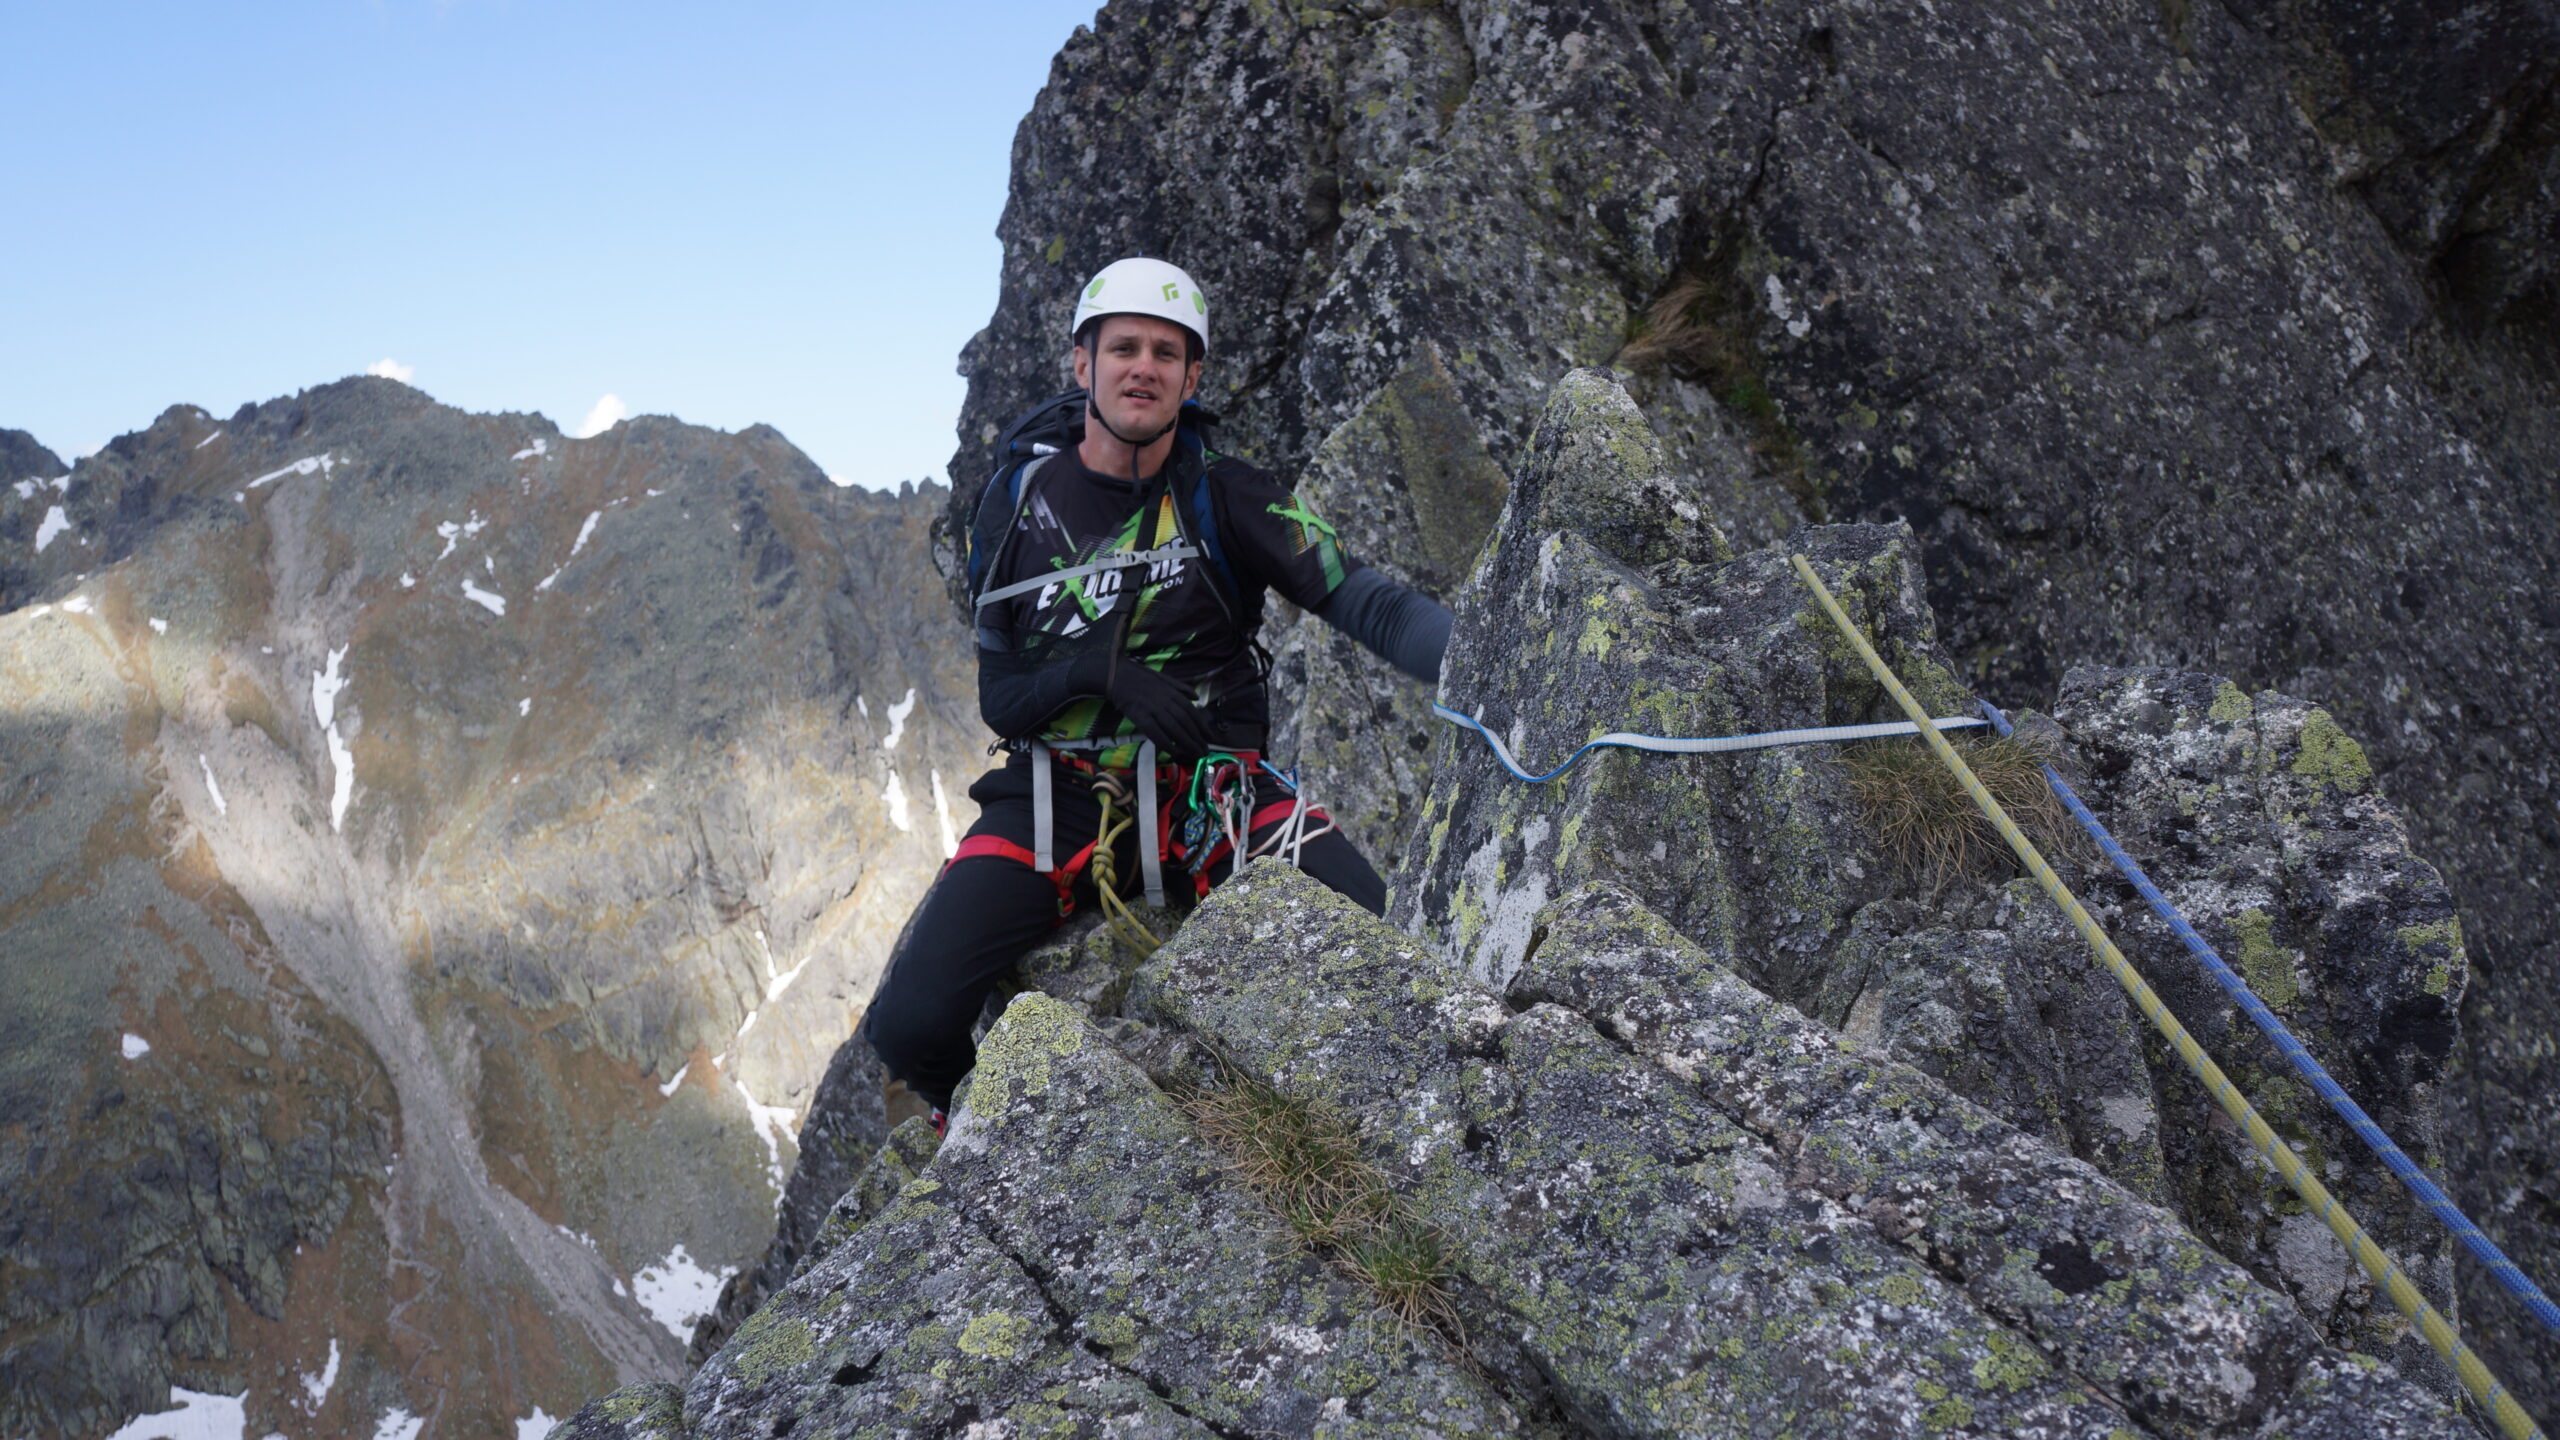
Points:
(1139, 286)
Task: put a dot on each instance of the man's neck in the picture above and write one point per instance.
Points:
(1104, 454)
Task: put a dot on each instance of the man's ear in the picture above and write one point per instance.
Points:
(1191, 380)
(1084, 368)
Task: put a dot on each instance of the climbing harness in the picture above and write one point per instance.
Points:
(1620, 739)
(2482, 1248)
(1044, 809)
(2491, 1396)
(1222, 810)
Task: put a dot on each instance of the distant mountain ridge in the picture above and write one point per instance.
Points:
(421, 825)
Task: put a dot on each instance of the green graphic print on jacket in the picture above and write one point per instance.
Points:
(1180, 619)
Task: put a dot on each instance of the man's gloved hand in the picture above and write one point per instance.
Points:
(1161, 709)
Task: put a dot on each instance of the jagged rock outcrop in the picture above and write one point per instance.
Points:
(441, 856)
(1723, 1124)
(1672, 1206)
(2207, 336)
(1601, 607)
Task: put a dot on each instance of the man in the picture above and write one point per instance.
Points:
(1121, 590)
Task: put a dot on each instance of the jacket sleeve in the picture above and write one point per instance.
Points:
(1407, 628)
(1018, 691)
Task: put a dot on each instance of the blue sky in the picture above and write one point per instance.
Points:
(729, 213)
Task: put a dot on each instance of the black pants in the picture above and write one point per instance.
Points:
(986, 912)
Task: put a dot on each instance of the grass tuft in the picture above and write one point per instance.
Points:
(1700, 328)
(1304, 1160)
(1928, 824)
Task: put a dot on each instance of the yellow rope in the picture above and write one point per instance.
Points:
(1116, 913)
(2484, 1387)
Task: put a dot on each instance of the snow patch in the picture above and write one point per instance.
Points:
(896, 795)
(342, 787)
(525, 706)
(774, 1124)
(159, 626)
(669, 1089)
(325, 685)
(676, 1292)
(76, 605)
(210, 788)
(198, 1416)
(54, 523)
(135, 1047)
(898, 714)
(862, 705)
(585, 531)
(942, 816)
(779, 983)
(27, 488)
(538, 447)
(494, 603)
(455, 534)
(536, 1425)
(209, 439)
(317, 1387)
(408, 581)
(310, 465)
(398, 1424)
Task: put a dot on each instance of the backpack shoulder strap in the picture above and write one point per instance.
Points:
(1000, 508)
(1203, 504)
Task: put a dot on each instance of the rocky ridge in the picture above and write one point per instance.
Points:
(421, 826)
(1726, 1124)
(2213, 337)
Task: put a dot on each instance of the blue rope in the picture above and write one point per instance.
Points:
(2481, 1246)
(1665, 745)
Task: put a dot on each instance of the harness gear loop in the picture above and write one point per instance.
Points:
(2491, 1396)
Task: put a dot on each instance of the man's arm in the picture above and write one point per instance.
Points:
(1017, 693)
(1407, 628)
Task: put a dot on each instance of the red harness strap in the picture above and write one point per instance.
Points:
(996, 847)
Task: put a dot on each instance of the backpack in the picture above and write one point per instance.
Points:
(1057, 424)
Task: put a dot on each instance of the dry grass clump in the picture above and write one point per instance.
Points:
(1692, 328)
(1928, 824)
(1305, 1162)
(1679, 329)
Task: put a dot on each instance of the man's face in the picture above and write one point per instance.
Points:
(1138, 372)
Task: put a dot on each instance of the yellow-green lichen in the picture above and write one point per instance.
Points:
(1035, 1031)
(1900, 1289)
(1115, 1333)
(2230, 706)
(2331, 756)
(1953, 1413)
(2266, 965)
(768, 1343)
(998, 1334)
(2011, 1366)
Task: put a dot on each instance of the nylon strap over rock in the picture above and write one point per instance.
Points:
(2491, 1396)
(1709, 745)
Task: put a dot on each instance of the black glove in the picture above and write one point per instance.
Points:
(1162, 710)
